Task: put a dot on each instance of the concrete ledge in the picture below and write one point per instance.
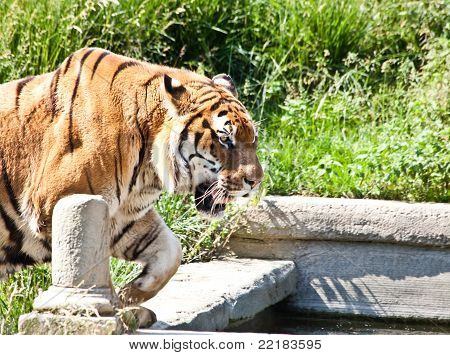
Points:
(371, 279)
(207, 296)
(315, 218)
(367, 257)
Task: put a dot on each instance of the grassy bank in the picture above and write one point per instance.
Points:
(351, 97)
(358, 87)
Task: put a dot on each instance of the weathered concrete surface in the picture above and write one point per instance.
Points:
(369, 257)
(80, 242)
(315, 218)
(374, 279)
(38, 323)
(76, 300)
(81, 283)
(206, 296)
(80, 258)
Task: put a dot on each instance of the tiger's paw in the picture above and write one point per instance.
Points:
(144, 316)
(130, 295)
(136, 317)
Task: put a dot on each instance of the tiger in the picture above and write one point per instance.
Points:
(126, 130)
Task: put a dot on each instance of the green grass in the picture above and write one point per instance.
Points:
(350, 96)
(385, 143)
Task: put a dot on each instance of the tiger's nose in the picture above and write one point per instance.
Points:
(252, 174)
(252, 183)
(254, 179)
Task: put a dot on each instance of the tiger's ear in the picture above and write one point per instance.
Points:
(172, 90)
(173, 86)
(226, 82)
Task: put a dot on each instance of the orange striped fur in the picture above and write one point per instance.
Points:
(113, 126)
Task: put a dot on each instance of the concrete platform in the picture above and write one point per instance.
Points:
(207, 296)
(366, 257)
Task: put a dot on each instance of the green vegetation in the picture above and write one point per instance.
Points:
(351, 96)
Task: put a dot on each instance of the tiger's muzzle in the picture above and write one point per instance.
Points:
(211, 199)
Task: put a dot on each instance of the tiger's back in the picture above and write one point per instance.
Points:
(62, 133)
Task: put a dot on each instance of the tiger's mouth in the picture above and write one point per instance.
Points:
(211, 200)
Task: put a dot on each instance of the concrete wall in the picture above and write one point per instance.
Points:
(377, 258)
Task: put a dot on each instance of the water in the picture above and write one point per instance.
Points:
(276, 320)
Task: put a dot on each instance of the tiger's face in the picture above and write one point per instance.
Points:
(216, 145)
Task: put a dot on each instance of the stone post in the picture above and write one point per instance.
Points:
(81, 299)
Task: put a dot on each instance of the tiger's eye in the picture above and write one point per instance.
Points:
(224, 139)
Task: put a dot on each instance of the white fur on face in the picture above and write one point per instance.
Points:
(255, 132)
(223, 127)
(166, 158)
(223, 124)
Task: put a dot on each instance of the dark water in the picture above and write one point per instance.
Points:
(278, 321)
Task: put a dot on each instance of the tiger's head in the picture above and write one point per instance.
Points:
(210, 141)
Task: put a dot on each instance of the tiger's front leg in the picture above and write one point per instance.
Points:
(150, 242)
